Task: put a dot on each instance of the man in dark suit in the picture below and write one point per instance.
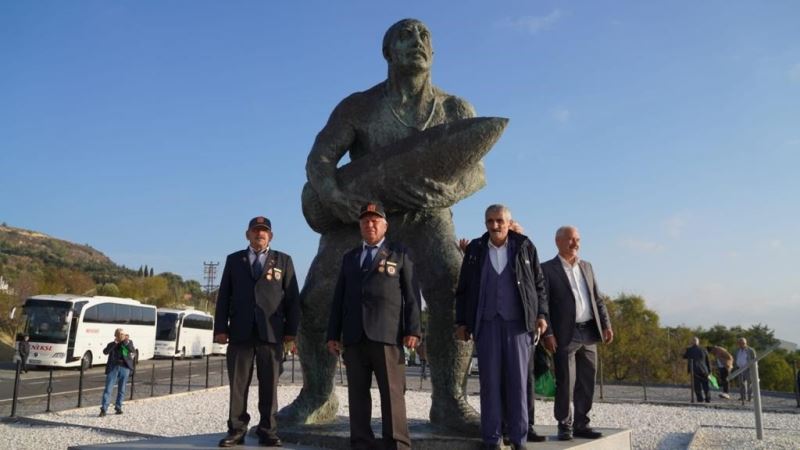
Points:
(376, 310)
(501, 300)
(699, 367)
(578, 321)
(257, 312)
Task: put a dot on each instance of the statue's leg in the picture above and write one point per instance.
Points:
(316, 402)
(431, 236)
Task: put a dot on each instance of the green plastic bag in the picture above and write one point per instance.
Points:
(546, 385)
(712, 380)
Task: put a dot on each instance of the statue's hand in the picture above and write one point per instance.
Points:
(344, 207)
(426, 193)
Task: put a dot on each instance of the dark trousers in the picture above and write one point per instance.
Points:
(503, 354)
(701, 386)
(387, 362)
(240, 359)
(723, 379)
(24, 365)
(576, 366)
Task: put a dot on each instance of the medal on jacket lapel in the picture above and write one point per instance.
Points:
(277, 274)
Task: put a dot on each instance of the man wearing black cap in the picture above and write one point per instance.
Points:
(375, 312)
(257, 312)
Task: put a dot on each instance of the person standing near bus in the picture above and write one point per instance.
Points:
(121, 353)
(24, 350)
(257, 312)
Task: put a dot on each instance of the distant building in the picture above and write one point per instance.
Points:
(786, 345)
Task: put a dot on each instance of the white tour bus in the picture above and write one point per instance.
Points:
(70, 331)
(184, 332)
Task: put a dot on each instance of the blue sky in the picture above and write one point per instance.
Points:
(666, 131)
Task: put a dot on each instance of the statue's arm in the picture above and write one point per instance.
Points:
(331, 144)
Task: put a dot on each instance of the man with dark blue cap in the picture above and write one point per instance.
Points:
(257, 312)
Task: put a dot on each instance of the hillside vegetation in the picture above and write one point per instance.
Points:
(34, 263)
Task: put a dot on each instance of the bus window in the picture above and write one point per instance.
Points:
(122, 314)
(106, 313)
(149, 316)
(92, 314)
(167, 327)
(46, 321)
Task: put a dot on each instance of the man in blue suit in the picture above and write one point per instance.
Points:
(501, 301)
(375, 311)
(257, 312)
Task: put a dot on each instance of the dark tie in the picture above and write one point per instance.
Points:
(257, 267)
(367, 264)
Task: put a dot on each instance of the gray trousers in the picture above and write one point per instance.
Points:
(267, 359)
(744, 386)
(576, 366)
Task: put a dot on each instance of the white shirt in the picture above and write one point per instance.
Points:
(741, 357)
(364, 246)
(498, 256)
(580, 290)
(262, 256)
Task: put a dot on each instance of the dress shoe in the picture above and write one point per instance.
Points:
(518, 446)
(486, 446)
(269, 441)
(564, 433)
(233, 438)
(587, 432)
(533, 437)
(102, 413)
(708, 399)
(117, 411)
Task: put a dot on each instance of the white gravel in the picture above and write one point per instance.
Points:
(202, 412)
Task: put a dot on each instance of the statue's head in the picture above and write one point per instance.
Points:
(407, 46)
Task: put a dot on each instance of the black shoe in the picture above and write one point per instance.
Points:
(233, 438)
(490, 447)
(587, 432)
(518, 446)
(270, 441)
(564, 433)
(506, 440)
(533, 437)
(102, 413)
(117, 411)
(708, 400)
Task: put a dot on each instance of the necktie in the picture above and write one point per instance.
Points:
(367, 264)
(257, 267)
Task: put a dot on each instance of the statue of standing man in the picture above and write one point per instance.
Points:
(401, 115)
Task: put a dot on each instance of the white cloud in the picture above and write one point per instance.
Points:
(533, 24)
(794, 73)
(561, 115)
(641, 246)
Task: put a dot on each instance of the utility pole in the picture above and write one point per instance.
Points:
(210, 274)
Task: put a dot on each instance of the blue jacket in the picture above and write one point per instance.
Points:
(120, 353)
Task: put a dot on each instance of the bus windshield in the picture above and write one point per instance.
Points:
(167, 326)
(47, 320)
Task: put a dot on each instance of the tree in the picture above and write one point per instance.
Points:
(760, 337)
(140, 273)
(151, 271)
(635, 351)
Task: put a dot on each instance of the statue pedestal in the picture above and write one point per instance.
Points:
(424, 436)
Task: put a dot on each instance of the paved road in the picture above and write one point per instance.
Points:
(33, 386)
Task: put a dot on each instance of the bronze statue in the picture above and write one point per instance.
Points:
(417, 149)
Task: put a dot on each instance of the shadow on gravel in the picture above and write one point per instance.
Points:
(674, 441)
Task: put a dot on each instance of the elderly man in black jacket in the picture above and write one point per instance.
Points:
(257, 312)
(501, 301)
(120, 364)
(375, 311)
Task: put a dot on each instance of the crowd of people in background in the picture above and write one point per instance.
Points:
(701, 371)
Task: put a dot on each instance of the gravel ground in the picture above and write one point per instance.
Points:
(201, 412)
(740, 438)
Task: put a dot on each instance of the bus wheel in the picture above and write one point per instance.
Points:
(86, 361)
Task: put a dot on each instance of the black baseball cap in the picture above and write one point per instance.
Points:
(372, 208)
(260, 222)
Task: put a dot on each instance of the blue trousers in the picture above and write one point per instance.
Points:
(117, 375)
(503, 354)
